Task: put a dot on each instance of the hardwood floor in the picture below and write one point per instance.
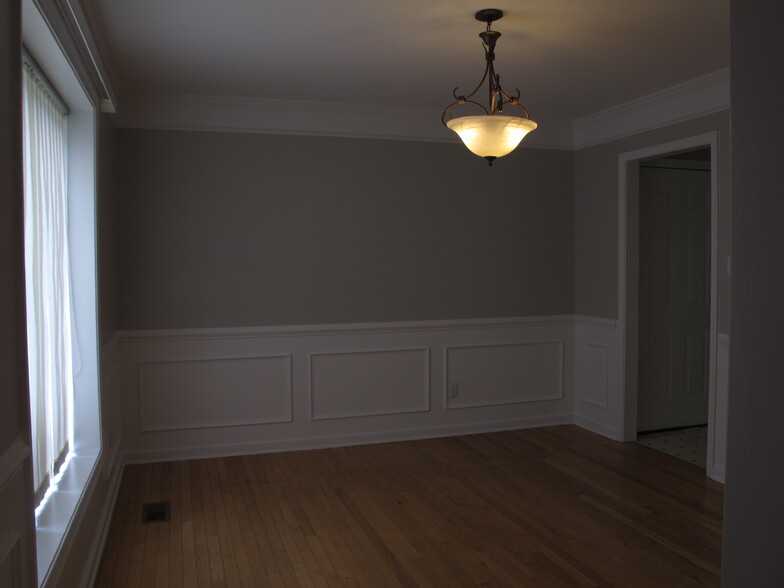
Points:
(556, 506)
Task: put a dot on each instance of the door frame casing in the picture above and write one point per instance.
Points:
(628, 280)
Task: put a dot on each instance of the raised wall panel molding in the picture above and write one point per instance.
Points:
(596, 374)
(17, 531)
(372, 382)
(299, 117)
(349, 383)
(11, 560)
(597, 378)
(12, 459)
(699, 97)
(214, 392)
(503, 373)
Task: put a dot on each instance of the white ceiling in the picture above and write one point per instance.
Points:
(569, 58)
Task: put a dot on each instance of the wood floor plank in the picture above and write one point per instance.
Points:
(556, 506)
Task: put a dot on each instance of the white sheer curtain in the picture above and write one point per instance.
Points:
(47, 279)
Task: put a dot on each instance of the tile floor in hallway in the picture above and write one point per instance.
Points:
(688, 444)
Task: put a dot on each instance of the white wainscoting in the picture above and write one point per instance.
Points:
(598, 388)
(14, 523)
(368, 383)
(199, 393)
(598, 376)
(489, 375)
(11, 560)
(209, 392)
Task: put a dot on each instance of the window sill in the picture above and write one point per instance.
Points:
(54, 518)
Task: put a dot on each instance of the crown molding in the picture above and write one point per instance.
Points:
(698, 97)
(295, 117)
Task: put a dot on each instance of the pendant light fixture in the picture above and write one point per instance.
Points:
(492, 134)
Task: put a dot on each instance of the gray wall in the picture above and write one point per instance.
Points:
(108, 242)
(596, 214)
(222, 230)
(754, 498)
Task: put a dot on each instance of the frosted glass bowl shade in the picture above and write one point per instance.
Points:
(491, 135)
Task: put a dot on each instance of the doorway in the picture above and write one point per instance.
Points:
(674, 304)
(667, 288)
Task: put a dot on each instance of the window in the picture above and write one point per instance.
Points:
(47, 276)
(61, 517)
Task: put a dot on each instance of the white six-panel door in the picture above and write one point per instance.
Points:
(674, 298)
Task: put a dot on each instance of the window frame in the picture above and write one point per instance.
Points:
(69, 504)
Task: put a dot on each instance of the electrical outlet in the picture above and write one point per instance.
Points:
(454, 392)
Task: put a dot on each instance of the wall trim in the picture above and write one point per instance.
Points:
(234, 423)
(591, 382)
(160, 335)
(627, 287)
(595, 321)
(597, 381)
(425, 407)
(594, 426)
(185, 112)
(11, 556)
(12, 459)
(61, 523)
(698, 97)
(461, 406)
(328, 441)
(69, 26)
(628, 199)
(90, 574)
(607, 348)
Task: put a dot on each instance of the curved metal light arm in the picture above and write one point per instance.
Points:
(460, 100)
(496, 95)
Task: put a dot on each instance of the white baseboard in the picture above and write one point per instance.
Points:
(102, 532)
(595, 427)
(718, 474)
(204, 452)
